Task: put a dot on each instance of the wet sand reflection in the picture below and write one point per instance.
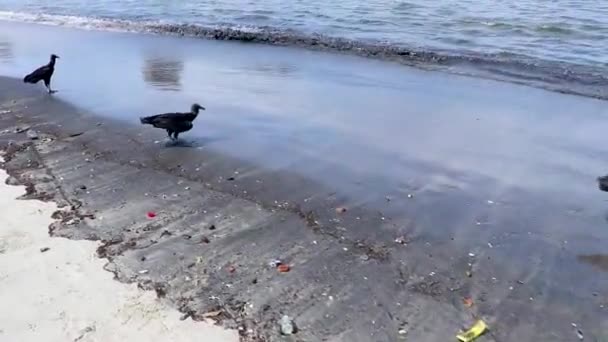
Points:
(6, 50)
(162, 73)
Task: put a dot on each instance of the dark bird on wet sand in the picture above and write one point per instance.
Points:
(602, 183)
(43, 73)
(173, 123)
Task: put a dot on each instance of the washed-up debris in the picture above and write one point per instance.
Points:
(364, 257)
(82, 187)
(22, 129)
(579, 332)
(5, 111)
(212, 314)
(143, 271)
(410, 195)
(283, 268)
(205, 239)
(472, 255)
(401, 240)
(476, 330)
(230, 179)
(32, 135)
(468, 302)
(341, 210)
(231, 269)
(287, 325)
(212, 227)
(44, 249)
(151, 214)
(76, 134)
(275, 263)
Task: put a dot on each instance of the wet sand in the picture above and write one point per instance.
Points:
(480, 178)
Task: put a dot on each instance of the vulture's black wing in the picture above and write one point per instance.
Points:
(168, 120)
(39, 74)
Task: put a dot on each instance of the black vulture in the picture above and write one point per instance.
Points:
(603, 183)
(44, 73)
(173, 123)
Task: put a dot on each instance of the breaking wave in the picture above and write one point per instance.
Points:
(557, 76)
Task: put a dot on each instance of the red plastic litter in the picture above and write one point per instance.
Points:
(283, 268)
(151, 214)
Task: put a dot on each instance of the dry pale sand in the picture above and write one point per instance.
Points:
(64, 294)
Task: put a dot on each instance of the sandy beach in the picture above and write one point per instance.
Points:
(55, 289)
(455, 188)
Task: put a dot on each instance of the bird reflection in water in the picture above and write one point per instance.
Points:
(6, 51)
(163, 73)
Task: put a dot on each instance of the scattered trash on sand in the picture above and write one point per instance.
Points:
(275, 263)
(341, 210)
(22, 129)
(468, 302)
(32, 135)
(283, 268)
(151, 214)
(205, 239)
(231, 269)
(579, 333)
(230, 179)
(143, 271)
(212, 227)
(410, 195)
(474, 332)
(44, 249)
(287, 325)
(212, 314)
(401, 240)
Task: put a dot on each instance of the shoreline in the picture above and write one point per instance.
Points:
(347, 281)
(550, 75)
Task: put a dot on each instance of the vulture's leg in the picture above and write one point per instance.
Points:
(47, 84)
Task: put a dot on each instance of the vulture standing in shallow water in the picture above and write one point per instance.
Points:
(173, 123)
(44, 73)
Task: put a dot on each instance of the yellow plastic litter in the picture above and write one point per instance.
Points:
(476, 330)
